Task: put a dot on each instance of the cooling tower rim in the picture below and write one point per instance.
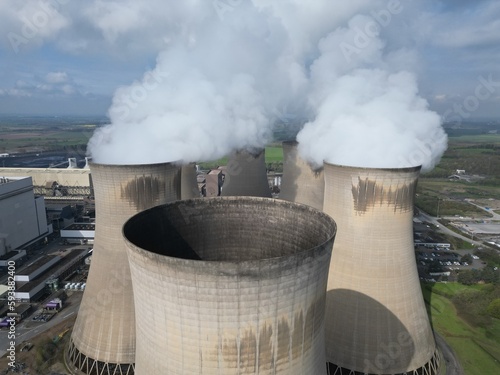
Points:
(293, 145)
(253, 151)
(125, 166)
(234, 265)
(417, 168)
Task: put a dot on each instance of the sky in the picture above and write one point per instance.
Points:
(70, 57)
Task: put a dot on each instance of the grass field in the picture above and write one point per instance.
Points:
(476, 154)
(448, 194)
(482, 138)
(274, 154)
(456, 189)
(39, 139)
(478, 349)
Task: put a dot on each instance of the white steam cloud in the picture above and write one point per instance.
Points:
(231, 67)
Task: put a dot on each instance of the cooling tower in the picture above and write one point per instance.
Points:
(189, 183)
(301, 183)
(376, 321)
(103, 338)
(246, 175)
(229, 286)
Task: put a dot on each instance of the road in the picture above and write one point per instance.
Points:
(494, 215)
(442, 229)
(28, 329)
(453, 367)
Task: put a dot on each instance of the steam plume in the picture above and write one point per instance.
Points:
(230, 68)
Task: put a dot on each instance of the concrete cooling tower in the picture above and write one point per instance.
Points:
(376, 321)
(103, 338)
(246, 175)
(301, 183)
(189, 183)
(229, 286)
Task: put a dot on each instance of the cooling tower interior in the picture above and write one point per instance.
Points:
(103, 338)
(301, 183)
(232, 285)
(246, 175)
(189, 184)
(376, 318)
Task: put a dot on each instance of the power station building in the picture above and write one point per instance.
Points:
(301, 182)
(103, 338)
(232, 285)
(189, 183)
(22, 214)
(246, 175)
(242, 284)
(376, 321)
(76, 181)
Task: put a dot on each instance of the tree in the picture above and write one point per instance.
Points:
(468, 277)
(494, 308)
(488, 275)
(467, 258)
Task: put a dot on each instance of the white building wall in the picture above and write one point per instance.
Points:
(41, 215)
(87, 234)
(22, 218)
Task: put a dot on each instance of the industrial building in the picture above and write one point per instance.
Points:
(213, 183)
(238, 284)
(80, 233)
(376, 318)
(232, 285)
(301, 182)
(33, 270)
(48, 181)
(103, 338)
(45, 275)
(22, 214)
(189, 182)
(245, 175)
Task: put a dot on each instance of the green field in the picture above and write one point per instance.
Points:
(478, 348)
(480, 138)
(274, 154)
(38, 138)
(476, 154)
(448, 194)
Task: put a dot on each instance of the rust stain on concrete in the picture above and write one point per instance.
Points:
(248, 357)
(297, 335)
(266, 353)
(369, 193)
(143, 191)
(283, 351)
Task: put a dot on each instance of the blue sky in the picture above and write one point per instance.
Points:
(69, 57)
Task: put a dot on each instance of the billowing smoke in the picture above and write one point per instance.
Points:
(367, 111)
(231, 69)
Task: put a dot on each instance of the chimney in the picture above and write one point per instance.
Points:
(246, 175)
(376, 321)
(103, 338)
(301, 183)
(189, 183)
(220, 291)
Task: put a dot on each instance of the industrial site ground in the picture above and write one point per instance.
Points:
(46, 355)
(463, 208)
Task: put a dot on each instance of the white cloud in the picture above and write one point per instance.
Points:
(433, 38)
(27, 24)
(477, 26)
(56, 77)
(15, 92)
(52, 84)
